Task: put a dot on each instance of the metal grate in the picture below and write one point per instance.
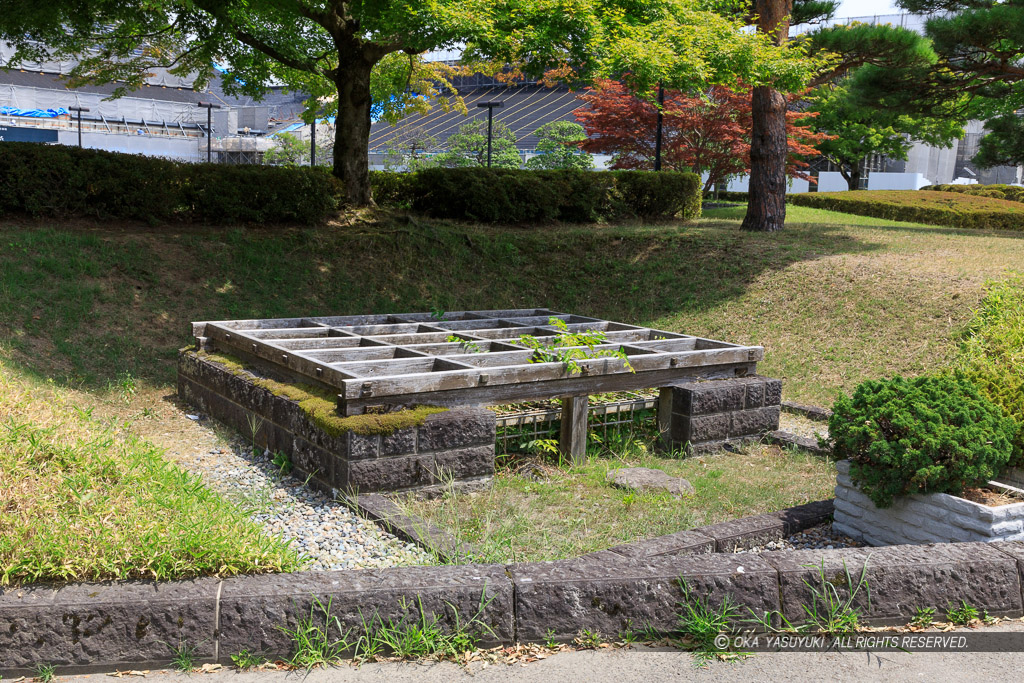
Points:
(517, 430)
(468, 358)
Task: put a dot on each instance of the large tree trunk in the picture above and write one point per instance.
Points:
(766, 200)
(853, 178)
(352, 129)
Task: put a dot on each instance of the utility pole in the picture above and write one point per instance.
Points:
(209, 107)
(490, 106)
(657, 135)
(79, 111)
(312, 144)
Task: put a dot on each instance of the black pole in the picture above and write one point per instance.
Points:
(657, 135)
(79, 111)
(209, 106)
(490, 122)
(312, 144)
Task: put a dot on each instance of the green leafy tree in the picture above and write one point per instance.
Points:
(408, 151)
(860, 131)
(349, 55)
(468, 147)
(558, 147)
(290, 150)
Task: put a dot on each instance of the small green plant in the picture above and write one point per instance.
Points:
(283, 462)
(126, 386)
(701, 623)
(467, 345)
(920, 435)
(549, 639)
(588, 639)
(247, 660)
(833, 607)
(569, 348)
(44, 672)
(255, 423)
(923, 617)
(184, 656)
(962, 614)
(313, 643)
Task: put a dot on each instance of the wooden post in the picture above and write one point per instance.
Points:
(573, 441)
(665, 417)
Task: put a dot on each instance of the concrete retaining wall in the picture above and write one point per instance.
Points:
(929, 518)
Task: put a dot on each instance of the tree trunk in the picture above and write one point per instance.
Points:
(766, 203)
(352, 129)
(853, 179)
(766, 199)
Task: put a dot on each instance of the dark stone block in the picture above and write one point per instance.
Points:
(786, 439)
(902, 578)
(805, 516)
(401, 442)
(755, 393)
(390, 474)
(744, 533)
(754, 422)
(254, 610)
(363, 446)
(702, 428)
(457, 429)
(772, 392)
(707, 398)
(607, 593)
(680, 543)
(115, 623)
(466, 463)
(312, 460)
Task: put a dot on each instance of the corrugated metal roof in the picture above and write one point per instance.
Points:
(527, 108)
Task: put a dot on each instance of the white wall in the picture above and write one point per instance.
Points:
(190, 149)
(896, 181)
(832, 181)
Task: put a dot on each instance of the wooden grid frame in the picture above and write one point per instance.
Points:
(467, 357)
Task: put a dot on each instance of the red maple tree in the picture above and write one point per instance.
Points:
(709, 134)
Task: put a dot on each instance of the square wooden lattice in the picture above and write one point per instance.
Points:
(468, 357)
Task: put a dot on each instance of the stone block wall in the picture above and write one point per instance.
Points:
(929, 518)
(455, 447)
(705, 416)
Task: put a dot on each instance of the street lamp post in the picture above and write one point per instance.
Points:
(79, 111)
(657, 135)
(209, 107)
(490, 106)
(312, 144)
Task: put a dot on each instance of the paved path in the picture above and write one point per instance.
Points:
(651, 666)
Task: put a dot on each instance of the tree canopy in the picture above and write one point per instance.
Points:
(558, 146)
(347, 53)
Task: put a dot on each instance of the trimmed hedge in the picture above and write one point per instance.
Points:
(61, 181)
(921, 435)
(934, 208)
(1011, 193)
(521, 196)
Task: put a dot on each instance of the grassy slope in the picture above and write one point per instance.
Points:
(834, 298)
(83, 500)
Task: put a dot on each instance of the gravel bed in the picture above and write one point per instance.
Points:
(802, 426)
(326, 532)
(820, 537)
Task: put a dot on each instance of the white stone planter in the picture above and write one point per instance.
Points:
(928, 518)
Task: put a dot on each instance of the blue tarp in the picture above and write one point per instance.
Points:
(36, 113)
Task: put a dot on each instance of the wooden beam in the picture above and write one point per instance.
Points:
(573, 438)
(665, 416)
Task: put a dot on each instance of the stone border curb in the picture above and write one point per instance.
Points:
(134, 624)
(810, 412)
(783, 438)
(432, 538)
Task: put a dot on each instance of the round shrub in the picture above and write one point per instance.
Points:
(922, 435)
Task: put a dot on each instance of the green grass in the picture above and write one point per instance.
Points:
(834, 299)
(82, 500)
(572, 510)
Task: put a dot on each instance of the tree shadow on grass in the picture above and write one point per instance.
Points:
(96, 308)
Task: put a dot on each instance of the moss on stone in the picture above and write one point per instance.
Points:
(319, 404)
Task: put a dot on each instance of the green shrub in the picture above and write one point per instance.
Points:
(392, 189)
(1011, 193)
(61, 181)
(991, 350)
(520, 196)
(958, 210)
(922, 435)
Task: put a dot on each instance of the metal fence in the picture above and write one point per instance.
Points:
(521, 431)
